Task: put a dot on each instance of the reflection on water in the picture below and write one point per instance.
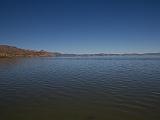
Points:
(4, 62)
(80, 88)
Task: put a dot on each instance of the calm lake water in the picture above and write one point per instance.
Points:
(80, 88)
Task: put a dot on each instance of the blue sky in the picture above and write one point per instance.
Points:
(81, 26)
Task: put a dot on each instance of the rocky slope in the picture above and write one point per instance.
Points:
(11, 51)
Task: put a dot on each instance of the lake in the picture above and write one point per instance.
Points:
(80, 88)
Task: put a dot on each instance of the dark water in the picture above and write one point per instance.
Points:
(80, 88)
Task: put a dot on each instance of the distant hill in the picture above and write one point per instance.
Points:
(104, 54)
(11, 51)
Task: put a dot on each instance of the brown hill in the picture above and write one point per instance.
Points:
(11, 51)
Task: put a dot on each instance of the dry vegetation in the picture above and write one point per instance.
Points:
(10, 51)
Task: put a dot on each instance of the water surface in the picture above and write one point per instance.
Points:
(80, 88)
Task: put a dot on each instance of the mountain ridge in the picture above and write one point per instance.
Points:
(12, 51)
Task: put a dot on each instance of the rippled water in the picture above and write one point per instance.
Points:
(80, 88)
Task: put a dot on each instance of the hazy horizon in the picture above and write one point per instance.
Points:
(81, 26)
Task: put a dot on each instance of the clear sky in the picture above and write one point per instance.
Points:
(81, 26)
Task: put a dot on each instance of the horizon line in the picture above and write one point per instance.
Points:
(120, 53)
